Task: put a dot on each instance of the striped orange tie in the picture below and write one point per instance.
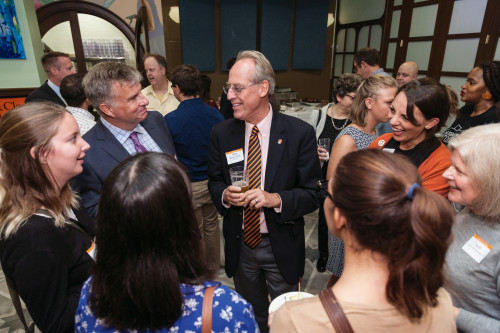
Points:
(251, 231)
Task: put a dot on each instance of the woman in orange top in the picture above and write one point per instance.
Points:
(419, 110)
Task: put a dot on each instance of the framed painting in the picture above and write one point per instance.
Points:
(11, 42)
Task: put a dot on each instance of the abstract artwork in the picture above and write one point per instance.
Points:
(11, 42)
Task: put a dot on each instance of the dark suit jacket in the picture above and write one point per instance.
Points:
(106, 152)
(292, 171)
(45, 93)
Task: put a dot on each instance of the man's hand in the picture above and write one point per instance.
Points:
(258, 198)
(232, 195)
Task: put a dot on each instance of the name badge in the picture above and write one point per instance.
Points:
(235, 156)
(389, 150)
(477, 248)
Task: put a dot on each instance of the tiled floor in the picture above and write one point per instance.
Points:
(312, 282)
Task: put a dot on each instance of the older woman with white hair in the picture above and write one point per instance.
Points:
(473, 259)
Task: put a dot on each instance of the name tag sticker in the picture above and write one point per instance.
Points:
(235, 156)
(477, 248)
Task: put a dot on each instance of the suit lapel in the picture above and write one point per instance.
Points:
(52, 93)
(109, 144)
(151, 127)
(236, 139)
(277, 143)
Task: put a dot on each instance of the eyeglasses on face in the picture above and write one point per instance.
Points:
(236, 88)
(323, 188)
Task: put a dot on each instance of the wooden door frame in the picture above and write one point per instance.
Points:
(67, 10)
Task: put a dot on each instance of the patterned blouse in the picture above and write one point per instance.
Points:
(230, 312)
(335, 262)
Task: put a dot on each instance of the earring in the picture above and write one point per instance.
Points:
(486, 96)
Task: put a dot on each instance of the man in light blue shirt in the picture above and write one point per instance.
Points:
(124, 128)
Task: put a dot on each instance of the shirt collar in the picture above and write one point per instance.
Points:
(121, 134)
(264, 126)
(57, 90)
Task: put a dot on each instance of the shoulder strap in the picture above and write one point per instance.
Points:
(206, 314)
(17, 305)
(335, 312)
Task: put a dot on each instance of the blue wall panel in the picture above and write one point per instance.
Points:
(238, 27)
(198, 33)
(275, 32)
(309, 40)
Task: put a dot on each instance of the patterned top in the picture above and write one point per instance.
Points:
(465, 121)
(361, 138)
(336, 257)
(84, 118)
(230, 312)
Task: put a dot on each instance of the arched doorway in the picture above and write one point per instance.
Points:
(71, 27)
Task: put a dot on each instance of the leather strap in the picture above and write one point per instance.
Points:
(14, 296)
(206, 314)
(335, 312)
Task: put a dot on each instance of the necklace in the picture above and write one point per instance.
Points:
(333, 123)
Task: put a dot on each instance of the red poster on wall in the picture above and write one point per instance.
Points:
(9, 103)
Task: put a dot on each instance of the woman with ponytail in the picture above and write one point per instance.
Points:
(396, 234)
(481, 93)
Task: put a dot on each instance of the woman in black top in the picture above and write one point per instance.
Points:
(328, 122)
(481, 93)
(46, 239)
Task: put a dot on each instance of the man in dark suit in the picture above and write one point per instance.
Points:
(57, 65)
(124, 128)
(267, 259)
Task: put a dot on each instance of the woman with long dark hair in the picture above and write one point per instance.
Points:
(396, 234)
(149, 274)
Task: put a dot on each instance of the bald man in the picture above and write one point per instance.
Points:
(407, 72)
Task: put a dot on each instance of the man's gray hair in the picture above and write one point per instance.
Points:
(263, 68)
(98, 83)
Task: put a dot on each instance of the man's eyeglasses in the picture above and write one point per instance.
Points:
(355, 68)
(236, 89)
(323, 188)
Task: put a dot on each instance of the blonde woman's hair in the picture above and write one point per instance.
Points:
(370, 87)
(26, 182)
(478, 148)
